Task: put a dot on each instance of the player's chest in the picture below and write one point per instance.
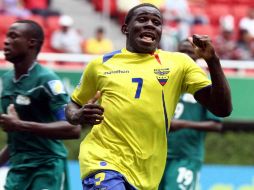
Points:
(125, 75)
(23, 93)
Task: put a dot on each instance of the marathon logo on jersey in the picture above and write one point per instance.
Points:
(116, 72)
(23, 100)
(57, 87)
(162, 75)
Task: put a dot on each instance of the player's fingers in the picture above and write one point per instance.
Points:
(93, 117)
(190, 39)
(201, 41)
(95, 98)
(93, 122)
(12, 111)
(89, 109)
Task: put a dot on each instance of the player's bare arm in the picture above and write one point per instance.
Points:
(89, 114)
(57, 130)
(216, 98)
(4, 155)
(198, 125)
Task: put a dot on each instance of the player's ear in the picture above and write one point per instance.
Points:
(33, 42)
(124, 29)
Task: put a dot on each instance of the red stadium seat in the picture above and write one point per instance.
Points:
(243, 2)
(5, 22)
(227, 2)
(37, 18)
(229, 71)
(52, 23)
(215, 11)
(197, 10)
(2, 37)
(239, 11)
(206, 29)
(35, 4)
(98, 6)
(46, 47)
(249, 72)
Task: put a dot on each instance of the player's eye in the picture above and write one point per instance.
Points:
(157, 22)
(12, 35)
(141, 19)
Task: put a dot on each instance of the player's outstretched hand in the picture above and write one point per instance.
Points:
(91, 113)
(203, 47)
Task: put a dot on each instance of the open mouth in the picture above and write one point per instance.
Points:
(7, 51)
(147, 37)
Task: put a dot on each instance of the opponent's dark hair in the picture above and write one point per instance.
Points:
(35, 31)
(131, 11)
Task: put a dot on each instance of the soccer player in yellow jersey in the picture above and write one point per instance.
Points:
(130, 96)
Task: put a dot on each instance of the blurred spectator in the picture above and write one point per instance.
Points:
(245, 46)
(98, 44)
(158, 3)
(247, 22)
(66, 39)
(169, 38)
(225, 42)
(40, 7)
(124, 6)
(15, 8)
(178, 11)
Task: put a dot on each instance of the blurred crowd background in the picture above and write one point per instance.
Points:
(87, 27)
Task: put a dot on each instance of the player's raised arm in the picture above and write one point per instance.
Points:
(217, 97)
(89, 114)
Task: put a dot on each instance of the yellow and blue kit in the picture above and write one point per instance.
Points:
(139, 96)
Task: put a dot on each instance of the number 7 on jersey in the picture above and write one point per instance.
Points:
(139, 87)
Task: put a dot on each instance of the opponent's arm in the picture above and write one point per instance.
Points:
(4, 155)
(56, 130)
(200, 125)
(88, 114)
(217, 97)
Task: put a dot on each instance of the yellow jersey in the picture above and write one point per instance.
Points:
(139, 96)
(93, 46)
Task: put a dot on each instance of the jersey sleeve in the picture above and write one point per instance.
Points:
(86, 88)
(58, 96)
(195, 78)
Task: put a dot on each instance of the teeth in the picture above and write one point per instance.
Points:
(147, 38)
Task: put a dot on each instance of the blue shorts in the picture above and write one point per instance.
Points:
(106, 179)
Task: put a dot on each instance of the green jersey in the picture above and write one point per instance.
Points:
(36, 97)
(189, 143)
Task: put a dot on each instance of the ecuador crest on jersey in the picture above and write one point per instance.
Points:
(162, 75)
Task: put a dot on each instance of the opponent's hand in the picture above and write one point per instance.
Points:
(10, 121)
(203, 47)
(90, 113)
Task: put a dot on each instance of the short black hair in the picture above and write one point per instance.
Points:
(100, 30)
(35, 31)
(131, 11)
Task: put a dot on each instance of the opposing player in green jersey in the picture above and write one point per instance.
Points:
(33, 100)
(137, 89)
(186, 138)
